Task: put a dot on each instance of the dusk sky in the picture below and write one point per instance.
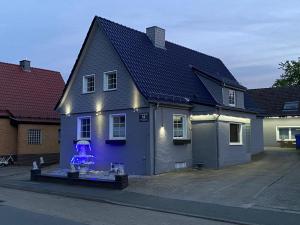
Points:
(251, 37)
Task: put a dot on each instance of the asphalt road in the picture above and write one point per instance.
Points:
(28, 208)
(14, 216)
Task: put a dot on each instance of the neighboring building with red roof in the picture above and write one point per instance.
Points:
(29, 125)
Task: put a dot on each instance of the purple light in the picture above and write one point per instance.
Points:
(83, 159)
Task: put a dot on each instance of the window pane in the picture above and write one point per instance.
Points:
(111, 79)
(283, 133)
(118, 126)
(89, 83)
(85, 126)
(295, 131)
(179, 124)
(34, 136)
(291, 106)
(235, 133)
(231, 97)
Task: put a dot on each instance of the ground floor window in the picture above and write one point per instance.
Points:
(117, 126)
(84, 128)
(235, 134)
(287, 133)
(179, 126)
(34, 136)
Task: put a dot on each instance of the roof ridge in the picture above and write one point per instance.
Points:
(274, 88)
(196, 51)
(101, 18)
(36, 68)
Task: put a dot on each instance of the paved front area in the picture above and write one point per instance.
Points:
(264, 192)
(272, 181)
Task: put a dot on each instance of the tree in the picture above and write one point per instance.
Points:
(290, 75)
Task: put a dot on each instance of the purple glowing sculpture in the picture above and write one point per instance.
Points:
(83, 159)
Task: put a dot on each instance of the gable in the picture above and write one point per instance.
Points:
(97, 58)
(163, 74)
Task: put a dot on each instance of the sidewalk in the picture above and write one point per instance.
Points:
(235, 215)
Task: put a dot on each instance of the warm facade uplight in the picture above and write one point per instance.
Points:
(68, 110)
(162, 131)
(135, 100)
(98, 109)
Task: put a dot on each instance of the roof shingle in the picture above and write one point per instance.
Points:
(164, 74)
(29, 94)
(272, 100)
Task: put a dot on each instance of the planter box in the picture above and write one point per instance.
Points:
(73, 174)
(181, 141)
(115, 142)
(120, 182)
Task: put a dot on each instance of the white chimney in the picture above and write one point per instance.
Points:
(157, 36)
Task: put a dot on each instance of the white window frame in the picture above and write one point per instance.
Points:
(240, 134)
(84, 84)
(185, 126)
(230, 92)
(34, 135)
(105, 80)
(111, 136)
(290, 133)
(79, 127)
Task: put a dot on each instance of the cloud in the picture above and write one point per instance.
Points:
(251, 37)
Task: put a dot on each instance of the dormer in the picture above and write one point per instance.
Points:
(225, 90)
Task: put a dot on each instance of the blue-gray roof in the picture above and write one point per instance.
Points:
(165, 74)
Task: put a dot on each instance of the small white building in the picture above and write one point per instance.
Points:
(282, 114)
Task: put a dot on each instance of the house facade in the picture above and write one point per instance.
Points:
(280, 107)
(154, 106)
(29, 125)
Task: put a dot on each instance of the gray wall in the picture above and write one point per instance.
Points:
(101, 57)
(239, 98)
(269, 127)
(257, 136)
(205, 143)
(134, 154)
(167, 154)
(232, 154)
(254, 131)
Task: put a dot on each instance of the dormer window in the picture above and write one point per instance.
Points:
(232, 98)
(110, 81)
(291, 106)
(88, 84)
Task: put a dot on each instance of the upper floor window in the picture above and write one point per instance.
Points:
(88, 84)
(232, 98)
(34, 136)
(84, 128)
(117, 126)
(110, 81)
(179, 126)
(235, 134)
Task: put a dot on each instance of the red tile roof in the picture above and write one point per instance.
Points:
(29, 94)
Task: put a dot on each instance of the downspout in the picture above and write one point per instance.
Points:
(217, 135)
(154, 138)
